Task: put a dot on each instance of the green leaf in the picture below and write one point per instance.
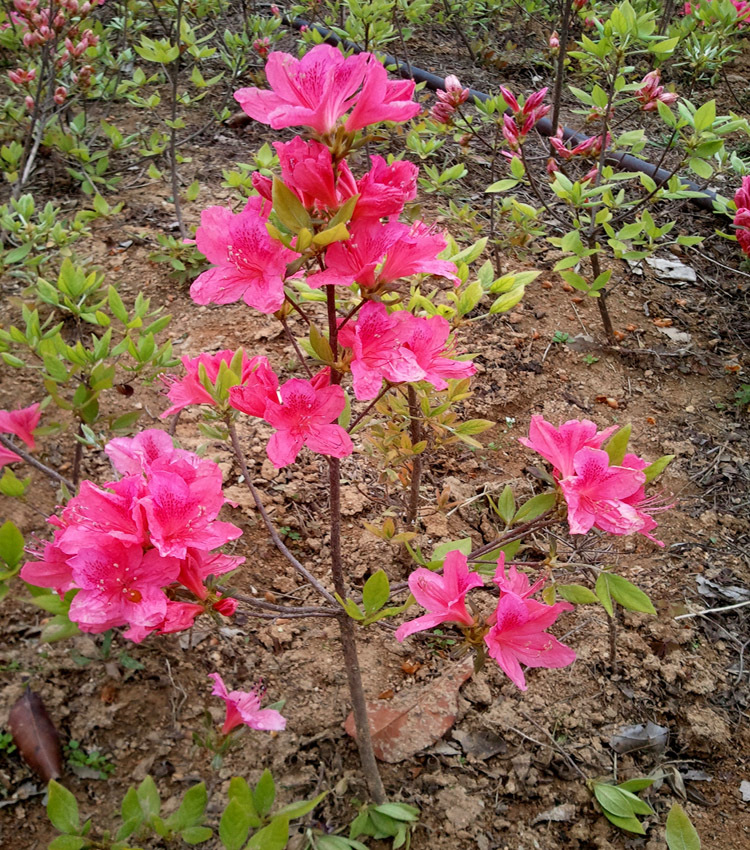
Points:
(612, 800)
(192, 808)
(376, 591)
(536, 506)
(11, 544)
(398, 811)
(657, 467)
(631, 824)
(288, 208)
(196, 834)
(463, 546)
(234, 826)
(502, 185)
(68, 842)
(637, 784)
(700, 167)
(59, 627)
(148, 796)
(264, 793)
(705, 116)
(617, 445)
(681, 834)
(602, 591)
(271, 837)
(300, 808)
(576, 593)
(628, 595)
(506, 505)
(62, 808)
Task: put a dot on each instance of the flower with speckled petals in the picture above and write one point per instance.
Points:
(560, 445)
(21, 423)
(244, 707)
(306, 416)
(248, 264)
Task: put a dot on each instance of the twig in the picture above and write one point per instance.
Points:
(278, 542)
(37, 464)
(713, 610)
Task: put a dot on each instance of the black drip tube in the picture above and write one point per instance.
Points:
(625, 160)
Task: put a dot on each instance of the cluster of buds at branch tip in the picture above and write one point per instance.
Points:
(520, 124)
(262, 46)
(650, 92)
(21, 77)
(590, 147)
(449, 100)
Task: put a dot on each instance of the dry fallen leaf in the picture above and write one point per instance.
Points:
(651, 737)
(662, 323)
(410, 667)
(416, 717)
(35, 735)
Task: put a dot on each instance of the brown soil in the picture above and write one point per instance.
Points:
(689, 675)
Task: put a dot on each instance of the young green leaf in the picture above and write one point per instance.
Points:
(376, 591)
(681, 834)
(264, 793)
(62, 809)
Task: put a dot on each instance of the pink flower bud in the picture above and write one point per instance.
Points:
(554, 41)
(15, 77)
(29, 101)
(226, 606)
(275, 11)
(60, 94)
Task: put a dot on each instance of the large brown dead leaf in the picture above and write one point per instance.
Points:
(416, 717)
(35, 735)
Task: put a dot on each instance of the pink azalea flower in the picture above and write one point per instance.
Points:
(7, 456)
(244, 707)
(514, 582)
(428, 344)
(385, 189)
(449, 100)
(416, 253)
(120, 584)
(182, 515)
(306, 417)
(742, 216)
(444, 596)
(382, 99)
(248, 264)
(560, 445)
(314, 91)
(307, 169)
(596, 494)
(21, 423)
(51, 569)
(136, 455)
(198, 565)
(517, 636)
(378, 341)
(190, 390)
(650, 92)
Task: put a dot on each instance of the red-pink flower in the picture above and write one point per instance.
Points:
(650, 92)
(515, 582)
(244, 707)
(443, 596)
(51, 569)
(524, 118)
(385, 189)
(449, 100)
(198, 565)
(306, 416)
(307, 169)
(518, 636)
(248, 264)
(120, 584)
(192, 390)
(590, 147)
(378, 342)
(597, 494)
(381, 99)
(7, 456)
(428, 344)
(560, 445)
(21, 423)
(742, 216)
(314, 91)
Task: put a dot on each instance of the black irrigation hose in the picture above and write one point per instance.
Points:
(544, 125)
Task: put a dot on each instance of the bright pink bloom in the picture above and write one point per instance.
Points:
(191, 389)
(449, 100)
(517, 636)
(120, 584)
(306, 417)
(650, 92)
(314, 91)
(21, 423)
(136, 455)
(428, 344)
(182, 515)
(248, 264)
(255, 392)
(596, 494)
(7, 456)
(378, 340)
(385, 189)
(742, 216)
(244, 707)
(51, 569)
(444, 596)
(514, 582)
(560, 445)
(307, 169)
(227, 607)
(416, 253)
(382, 99)
(198, 565)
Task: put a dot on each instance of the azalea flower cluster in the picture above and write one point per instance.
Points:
(650, 92)
(21, 423)
(598, 493)
(60, 26)
(449, 100)
(742, 216)
(742, 7)
(514, 634)
(128, 547)
(517, 126)
(396, 347)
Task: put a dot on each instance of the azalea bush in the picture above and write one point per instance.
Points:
(372, 301)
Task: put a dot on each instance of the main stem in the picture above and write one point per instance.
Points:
(415, 427)
(346, 624)
(173, 130)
